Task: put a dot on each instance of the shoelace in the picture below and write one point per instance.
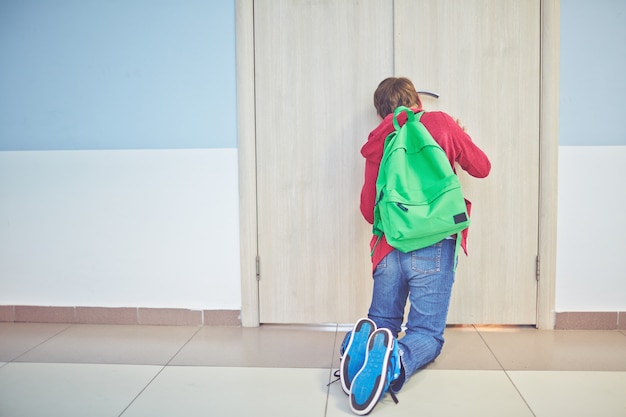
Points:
(391, 393)
(393, 396)
(336, 375)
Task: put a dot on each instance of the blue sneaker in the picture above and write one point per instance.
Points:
(381, 368)
(352, 352)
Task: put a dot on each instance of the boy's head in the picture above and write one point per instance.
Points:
(393, 92)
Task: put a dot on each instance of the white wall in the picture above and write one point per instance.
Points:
(591, 229)
(140, 228)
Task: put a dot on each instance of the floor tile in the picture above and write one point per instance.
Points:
(464, 349)
(264, 346)
(532, 349)
(140, 345)
(233, 392)
(18, 338)
(70, 390)
(573, 393)
(444, 393)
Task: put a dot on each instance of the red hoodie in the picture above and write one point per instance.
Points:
(453, 140)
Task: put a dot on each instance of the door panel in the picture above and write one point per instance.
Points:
(482, 57)
(317, 63)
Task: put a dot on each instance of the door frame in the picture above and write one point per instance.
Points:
(548, 162)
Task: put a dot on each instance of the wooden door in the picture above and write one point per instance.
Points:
(482, 57)
(317, 64)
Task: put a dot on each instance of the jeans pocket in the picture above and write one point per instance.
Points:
(427, 260)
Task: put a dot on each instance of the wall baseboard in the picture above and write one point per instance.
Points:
(570, 320)
(591, 320)
(119, 315)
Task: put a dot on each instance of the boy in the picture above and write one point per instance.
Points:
(373, 360)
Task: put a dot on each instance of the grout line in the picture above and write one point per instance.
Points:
(41, 343)
(183, 346)
(330, 370)
(489, 347)
(142, 390)
(160, 371)
(504, 370)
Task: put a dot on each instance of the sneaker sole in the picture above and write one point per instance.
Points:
(358, 340)
(369, 383)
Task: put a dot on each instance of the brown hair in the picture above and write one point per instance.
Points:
(393, 92)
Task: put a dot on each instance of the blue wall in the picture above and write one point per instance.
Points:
(117, 74)
(160, 74)
(593, 73)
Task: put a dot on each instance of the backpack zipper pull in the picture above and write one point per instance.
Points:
(402, 207)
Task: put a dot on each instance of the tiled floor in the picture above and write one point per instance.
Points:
(160, 371)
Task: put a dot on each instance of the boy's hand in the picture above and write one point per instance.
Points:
(458, 122)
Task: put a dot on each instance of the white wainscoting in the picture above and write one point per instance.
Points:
(591, 229)
(134, 228)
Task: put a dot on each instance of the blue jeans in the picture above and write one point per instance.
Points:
(425, 277)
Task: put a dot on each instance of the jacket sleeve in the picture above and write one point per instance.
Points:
(368, 192)
(469, 156)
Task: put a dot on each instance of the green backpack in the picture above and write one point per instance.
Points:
(419, 199)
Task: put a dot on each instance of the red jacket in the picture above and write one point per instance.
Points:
(453, 140)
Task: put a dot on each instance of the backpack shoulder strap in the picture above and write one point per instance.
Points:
(409, 114)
